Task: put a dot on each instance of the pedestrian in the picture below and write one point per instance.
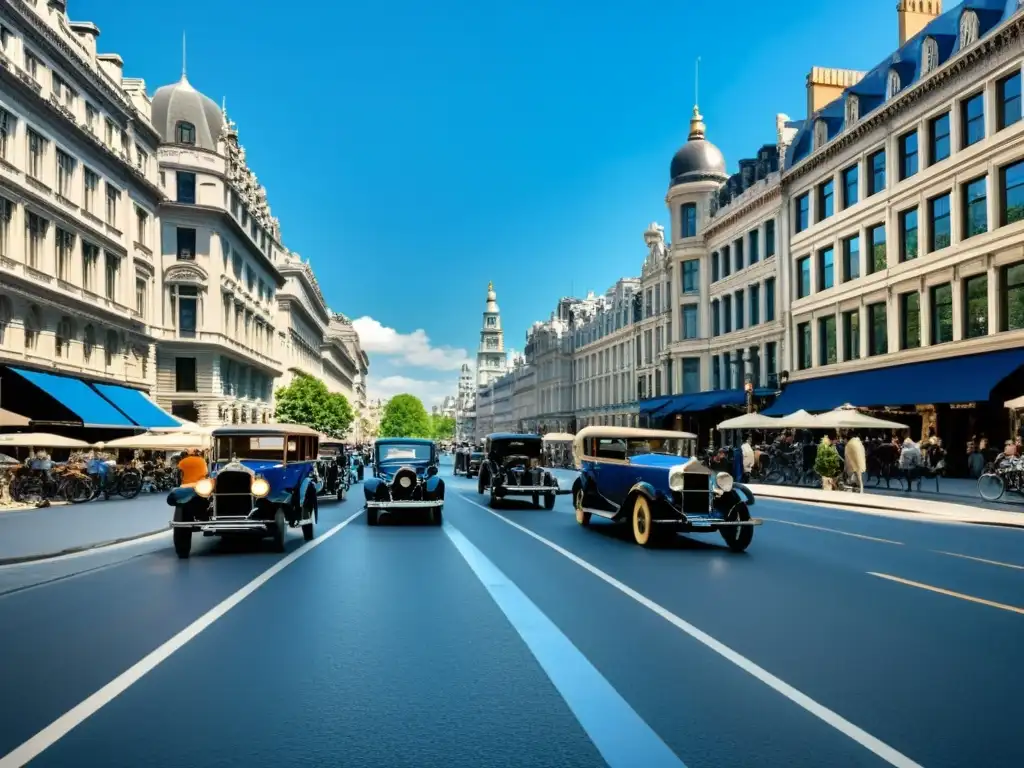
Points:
(856, 461)
(193, 468)
(910, 462)
(747, 449)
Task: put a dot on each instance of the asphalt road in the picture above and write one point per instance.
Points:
(520, 639)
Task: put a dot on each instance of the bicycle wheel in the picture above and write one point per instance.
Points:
(991, 486)
(77, 489)
(130, 484)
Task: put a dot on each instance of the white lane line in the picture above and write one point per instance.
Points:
(619, 733)
(980, 560)
(841, 724)
(71, 719)
(833, 530)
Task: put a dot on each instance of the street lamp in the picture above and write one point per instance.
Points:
(748, 388)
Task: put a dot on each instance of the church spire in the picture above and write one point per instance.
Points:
(491, 357)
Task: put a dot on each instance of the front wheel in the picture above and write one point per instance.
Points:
(991, 486)
(182, 542)
(549, 501)
(436, 516)
(582, 516)
(130, 484)
(278, 529)
(643, 522)
(308, 531)
(738, 537)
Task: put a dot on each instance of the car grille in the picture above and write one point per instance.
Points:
(695, 498)
(398, 493)
(233, 482)
(233, 506)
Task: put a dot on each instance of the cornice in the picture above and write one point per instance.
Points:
(770, 194)
(903, 102)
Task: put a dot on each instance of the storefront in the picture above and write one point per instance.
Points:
(699, 412)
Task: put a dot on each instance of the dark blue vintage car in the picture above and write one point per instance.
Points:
(262, 482)
(512, 466)
(404, 479)
(648, 478)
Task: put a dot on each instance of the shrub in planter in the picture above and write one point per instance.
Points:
(827, 463)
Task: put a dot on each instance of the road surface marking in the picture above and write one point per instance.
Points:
(841, 724)
(619, 733)
(71, 719)
(833, 530)
(980, 560)
(941, 591)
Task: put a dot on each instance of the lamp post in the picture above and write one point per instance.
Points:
(748, 388)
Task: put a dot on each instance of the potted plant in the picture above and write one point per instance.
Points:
(827, 464)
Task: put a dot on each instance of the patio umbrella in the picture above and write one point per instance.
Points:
(166, 441)
(1015, 404)
(751, 421)
(799, 420)
(12, 419)
(848, 417)
(40, 440)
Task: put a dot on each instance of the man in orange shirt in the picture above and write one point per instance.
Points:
(193, 468)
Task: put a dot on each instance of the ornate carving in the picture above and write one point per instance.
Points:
(192, 274)
(244, 181)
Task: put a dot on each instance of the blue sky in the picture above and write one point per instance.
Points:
(413, 151)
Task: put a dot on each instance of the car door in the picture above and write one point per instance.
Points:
(609, 475)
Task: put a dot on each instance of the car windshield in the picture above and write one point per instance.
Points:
(266, 448)
(477, 455)
(530, 448)
(403, 452)
(622, 448)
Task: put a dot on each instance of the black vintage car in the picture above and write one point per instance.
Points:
(512, 467)
(467, 461)
(333, 468)
(404, 480)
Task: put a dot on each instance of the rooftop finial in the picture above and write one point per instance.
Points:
(183, 59)
(490, 286)
(697, 127)
(696, 82)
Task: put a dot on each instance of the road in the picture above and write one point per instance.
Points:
(517, 638)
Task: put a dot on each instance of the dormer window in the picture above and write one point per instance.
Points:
(929, 55)
(852, 109)
(185, 133)
(969, 28)
(820, 133)
(892, 86)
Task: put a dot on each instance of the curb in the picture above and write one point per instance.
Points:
(76, 550)
(876, 508)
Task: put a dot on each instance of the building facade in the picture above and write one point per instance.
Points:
(80, 202)
(302, 320)
(549, 348)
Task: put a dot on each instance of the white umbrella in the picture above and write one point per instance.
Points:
(168, 441)
(799, 420)
(40, 440)
(1015, 404)
(848, 417)
(751, 421)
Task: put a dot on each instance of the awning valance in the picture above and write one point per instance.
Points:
(961, 379)
(138, 407)
(703, 401)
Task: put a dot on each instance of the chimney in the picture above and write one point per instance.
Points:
(86, 32)
(914, 15)
(112, 65)
(826, 84)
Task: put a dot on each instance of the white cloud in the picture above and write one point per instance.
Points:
(411, 348)
(430, 392)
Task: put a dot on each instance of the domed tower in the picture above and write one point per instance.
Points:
(696, 173)
(183, 115)
(491, 357)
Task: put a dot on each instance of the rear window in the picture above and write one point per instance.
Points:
(413, 452)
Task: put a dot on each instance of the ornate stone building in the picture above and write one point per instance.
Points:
(221, 258)
(549, 347)
(80, 268)
(465, 405)
(346, 366)
(302, 320)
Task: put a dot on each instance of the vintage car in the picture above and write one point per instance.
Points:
(404, 479)
(649, 479)
(332, 468)
(512, 466)
(263, 481)
(467, 461)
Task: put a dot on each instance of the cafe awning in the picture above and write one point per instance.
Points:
(77, 397)
(137, 406)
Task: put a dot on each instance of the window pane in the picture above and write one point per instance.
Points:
(942, 313)
(910, 320)
(825, 200)
(976, 306)
(1008, 100)
(1013, 283)
(940, 138)
(851, 258)
(879, 259)
(827, 350)
(975, 207)
(908, 155)
(878, 338)
(940, 225)
(973, 112)
(850, 191)
(803, 269)
(851, 335)
(826, 269)
(876, 168)
(1013, 193)
(908, 235)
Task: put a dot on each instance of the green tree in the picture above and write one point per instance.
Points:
(442, 427)
(405, 416)
(307, 401)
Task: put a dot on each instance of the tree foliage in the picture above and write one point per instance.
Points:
(405, 416)
(307, 401)
(442, 427)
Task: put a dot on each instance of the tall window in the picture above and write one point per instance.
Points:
(65, 173)
(6, 132)
(929, 55)
(878, 330)
(186, 187)
(827, 349)
(938, 138)
(972, 119)
(851, 258)
(716, 373)
(1012, 315)
(185, 305)
(716, 322)
(688, 219)
(113, 195)
(35, 227)
(939, 233)
(975, 294)
(850, 177)
(65, 244)
(801, 209)
(714, 266)
(36, 152)
(908, 234)
(90, 258)
(826, 268)
(141, 289)
(91, 185)
(771, 363)
(185, 133)
(737, 248)
(876, 172)
(769, 300)
(910, 320)
(691, 374)
(1012, 183)
(690, 330)
(803, 277)
(942, 313)
(141, 226)
(892, 84)
(825, 200)
(803, 346)
(975, 201)
(739, 310)
(187, 244)
(878, 258)
(727, 314)
(691, 276)
(111, 271)
(908, 155)
(969, 28)
(769, 238)
(851, 334)
(726, 261)
(6, 212)
(752, 247)
(852, 113)
(185, 374)
(1008, 101)
(755, 304)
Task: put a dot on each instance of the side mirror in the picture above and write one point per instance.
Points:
(431, 470)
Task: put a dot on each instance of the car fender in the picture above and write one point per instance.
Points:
(746, 495)
(305, 485)
(181, 495)
(435, 486)
(727, 502)
(370, 486)
(643, 488)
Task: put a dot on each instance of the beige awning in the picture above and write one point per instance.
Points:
(799, 420)
(848, 417)
(39, 440)
(751, 421)
(1015, 404)
(166, 441)
(12, 419)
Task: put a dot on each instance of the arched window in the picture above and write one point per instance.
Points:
(820, 133)
(88, 342)
(969, 28)
(185, 133)
(892, 86)
(33, 325)
(929, 55)
(65, 333)
(852, 109)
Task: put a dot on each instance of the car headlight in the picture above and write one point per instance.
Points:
(405, 481)
(205, 487)
(675, 479)
(724, 481)
(260, 487)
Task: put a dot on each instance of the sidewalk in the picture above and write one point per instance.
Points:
(36, 534)
(942, 506)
